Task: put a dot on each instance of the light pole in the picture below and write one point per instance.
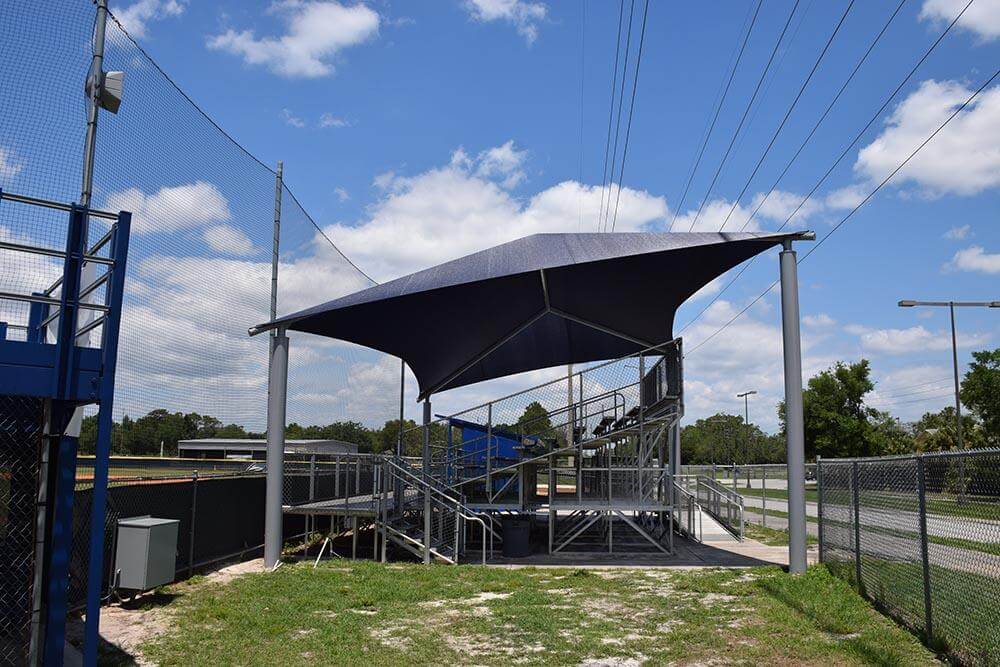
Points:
(954, 347)
(954, 360)
(746, 423)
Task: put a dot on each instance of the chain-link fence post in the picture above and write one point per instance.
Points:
(763, 495)
(925, 560)
(819, 503)
(194, 514)
(856, 499)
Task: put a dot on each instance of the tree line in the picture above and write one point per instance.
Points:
(838, 423)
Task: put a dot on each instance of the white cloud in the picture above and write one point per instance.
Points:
(329, 120)
(502, 162)
(974, 258)
(9, 165)
(524, 16)
(316, 32)
(172, 209)
(958, 233)
(963, 159)
(847, 197)
(292, 119)
(776, 208)
(981, 18)
(820, 321)
(463, 207)
(229, 240)
(745, 355)
(137, 16)
(911, 340)
(342, 194)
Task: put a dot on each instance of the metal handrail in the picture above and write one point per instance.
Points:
(732, 498)
(456, 505)
(692, 507)
(58, 206)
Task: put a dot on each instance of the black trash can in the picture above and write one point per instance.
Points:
(516, 537)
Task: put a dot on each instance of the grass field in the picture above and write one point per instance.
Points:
(371, 614)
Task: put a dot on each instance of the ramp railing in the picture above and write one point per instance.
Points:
(722, 504)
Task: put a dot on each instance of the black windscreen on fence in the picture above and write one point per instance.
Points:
(920, 537)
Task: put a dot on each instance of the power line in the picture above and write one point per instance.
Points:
(879, 404)
(788, 113)
(893, 396)
(631, 109)
(611, 108)
(878, 37)
(715, 117)
(864, 201)
(878, 113)
(746, 111)
(618, 117)
(923, 384)
(826, 112)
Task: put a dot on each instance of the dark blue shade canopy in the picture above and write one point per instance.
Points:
(540, 301)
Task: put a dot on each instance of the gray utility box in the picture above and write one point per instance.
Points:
(146, 552)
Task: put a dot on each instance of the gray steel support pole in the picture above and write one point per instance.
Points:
(427, 474)
(277, 386)
(794, 421)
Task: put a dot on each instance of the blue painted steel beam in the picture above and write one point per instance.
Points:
(109, 349)
(60, 548)
(61, 409)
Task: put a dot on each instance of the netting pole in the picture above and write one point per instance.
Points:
(275, 242)
(427, 474)
(794, 421)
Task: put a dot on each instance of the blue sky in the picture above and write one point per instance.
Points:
(417, 132)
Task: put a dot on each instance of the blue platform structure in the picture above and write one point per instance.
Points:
(482, 448)
(44, 380)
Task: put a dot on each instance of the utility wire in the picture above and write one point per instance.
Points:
(715, 117)
(631, 109)
(788, 113)
(878, 113)
(878, 37)
(881, 405)
(922, 384)
(826, 112)
(743, 118)
(894, 397)
(611, 108)
(864, 201)
(618, 118)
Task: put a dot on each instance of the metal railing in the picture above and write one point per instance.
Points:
(688, 512)
(722, 503)
(919, 535)
(440, 517)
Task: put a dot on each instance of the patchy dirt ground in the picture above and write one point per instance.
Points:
(126, 626)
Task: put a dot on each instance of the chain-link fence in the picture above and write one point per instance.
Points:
(21, 424)
(920, 536)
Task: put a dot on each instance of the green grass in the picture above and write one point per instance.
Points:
(371, 614)
(963, 605)
(771, 536)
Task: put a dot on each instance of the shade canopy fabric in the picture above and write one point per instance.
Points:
(540, 301)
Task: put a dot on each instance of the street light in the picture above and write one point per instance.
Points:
(954, 347)
(746, 422)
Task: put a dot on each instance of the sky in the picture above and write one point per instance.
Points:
(414, 133)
